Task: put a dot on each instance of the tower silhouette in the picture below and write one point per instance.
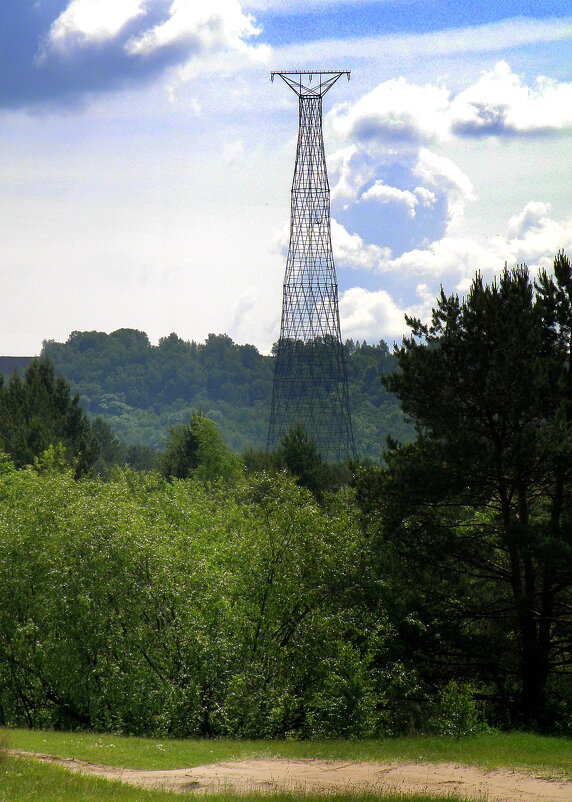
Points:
(310, 379)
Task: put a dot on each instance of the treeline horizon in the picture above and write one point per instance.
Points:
(141, 390)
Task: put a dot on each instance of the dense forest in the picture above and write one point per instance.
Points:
(276, 595)
(140, 389)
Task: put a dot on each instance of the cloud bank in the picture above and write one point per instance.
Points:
(60, 51)
(500, 103)
(393, 165)
(87, 21)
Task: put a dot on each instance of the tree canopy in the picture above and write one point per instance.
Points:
(476, 514)
(176, 607)
(37, 412)
(140, 389)
(197, 449)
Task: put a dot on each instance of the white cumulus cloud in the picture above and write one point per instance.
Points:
(499, 103)
(85, 21)
(385, 194)
(374, 315)
(395, 111)
(370, 315)
(532, 218)
(350, 250)
(426, 197)
(345, 176)
(216, 25)
(534, 237)
(441, 172)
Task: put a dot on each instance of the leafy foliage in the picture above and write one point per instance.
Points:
(207, 600)
(476, 514)
(37, 412)
(298, 454)
(198, 449)
(459, 714)
(146, 606)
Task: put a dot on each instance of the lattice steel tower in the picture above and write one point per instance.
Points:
(310, 380)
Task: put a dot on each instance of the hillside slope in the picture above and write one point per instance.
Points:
(141, 389)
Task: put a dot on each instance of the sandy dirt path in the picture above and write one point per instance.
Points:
(318, 775)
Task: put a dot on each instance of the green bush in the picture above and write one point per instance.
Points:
(459, 714)
(142, 605)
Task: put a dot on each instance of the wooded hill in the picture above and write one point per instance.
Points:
(141, 389)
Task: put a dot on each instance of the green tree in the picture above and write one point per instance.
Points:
(477, 513)
(197, 448)
(40, 411)
(306, 660)
(297, 452)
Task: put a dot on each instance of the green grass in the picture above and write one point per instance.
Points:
(29, 781)
(549, 756)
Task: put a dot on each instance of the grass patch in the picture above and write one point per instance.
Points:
(549, 756)
(28, 781)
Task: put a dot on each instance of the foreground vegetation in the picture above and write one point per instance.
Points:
(149, 606)
(24, 780)
(29, 781)
(550, 757)
(232, 598)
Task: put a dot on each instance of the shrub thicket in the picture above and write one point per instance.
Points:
(151, 606)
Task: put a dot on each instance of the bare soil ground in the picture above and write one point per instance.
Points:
(302, 776)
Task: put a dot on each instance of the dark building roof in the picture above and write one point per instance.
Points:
(9, 364)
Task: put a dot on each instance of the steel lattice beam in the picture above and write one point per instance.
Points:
(310, 380)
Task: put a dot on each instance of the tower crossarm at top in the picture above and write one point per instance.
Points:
(310, 83)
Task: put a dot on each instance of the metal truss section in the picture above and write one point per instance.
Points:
(310, 379)
(301, 82)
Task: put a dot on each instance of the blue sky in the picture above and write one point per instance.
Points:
(146, 158)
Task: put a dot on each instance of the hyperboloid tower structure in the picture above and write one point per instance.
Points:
(310, 379)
